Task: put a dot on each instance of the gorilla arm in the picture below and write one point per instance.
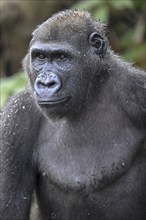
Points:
(19, 132)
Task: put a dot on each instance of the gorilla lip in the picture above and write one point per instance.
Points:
(53, 102)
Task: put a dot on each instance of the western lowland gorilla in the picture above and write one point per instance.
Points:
(76, 134)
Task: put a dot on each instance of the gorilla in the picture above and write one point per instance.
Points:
(76, 135)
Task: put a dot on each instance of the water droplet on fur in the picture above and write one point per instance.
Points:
(123, 164)
(44, 174)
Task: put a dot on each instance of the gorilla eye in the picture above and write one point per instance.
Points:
(60, 56)
(40, 55)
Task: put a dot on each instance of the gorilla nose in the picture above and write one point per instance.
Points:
(47, 85)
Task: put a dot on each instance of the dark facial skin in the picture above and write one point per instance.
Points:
(53, 64)
(76, 135)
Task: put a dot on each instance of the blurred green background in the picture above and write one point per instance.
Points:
(126, 32)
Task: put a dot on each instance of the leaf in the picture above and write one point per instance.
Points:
(102, 13)
(86, 5)
(126, 39)
(121, 4)
(11, 85)
(136, 53)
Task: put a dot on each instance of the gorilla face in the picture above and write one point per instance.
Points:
(59, 70)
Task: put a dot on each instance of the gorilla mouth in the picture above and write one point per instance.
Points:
(53, 102)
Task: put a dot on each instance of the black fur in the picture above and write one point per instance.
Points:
(76, 134)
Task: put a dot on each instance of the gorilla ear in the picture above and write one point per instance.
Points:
(98, 42)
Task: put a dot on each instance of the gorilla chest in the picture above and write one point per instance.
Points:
(84, 165)
(87, 155)
(77, 185)
(77, 171)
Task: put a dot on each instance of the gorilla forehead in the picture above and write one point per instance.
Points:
(68, 25)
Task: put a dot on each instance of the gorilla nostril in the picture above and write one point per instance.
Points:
(51, 84)
(40, 84)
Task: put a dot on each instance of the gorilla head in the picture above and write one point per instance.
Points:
(64, 62)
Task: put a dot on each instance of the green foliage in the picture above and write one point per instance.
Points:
(121, 4)
(139, 3)
(11, 85)
(135, 53)
(102, 13)
(101, 8)
(87, 5)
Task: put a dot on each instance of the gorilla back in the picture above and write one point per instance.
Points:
(76, 134)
